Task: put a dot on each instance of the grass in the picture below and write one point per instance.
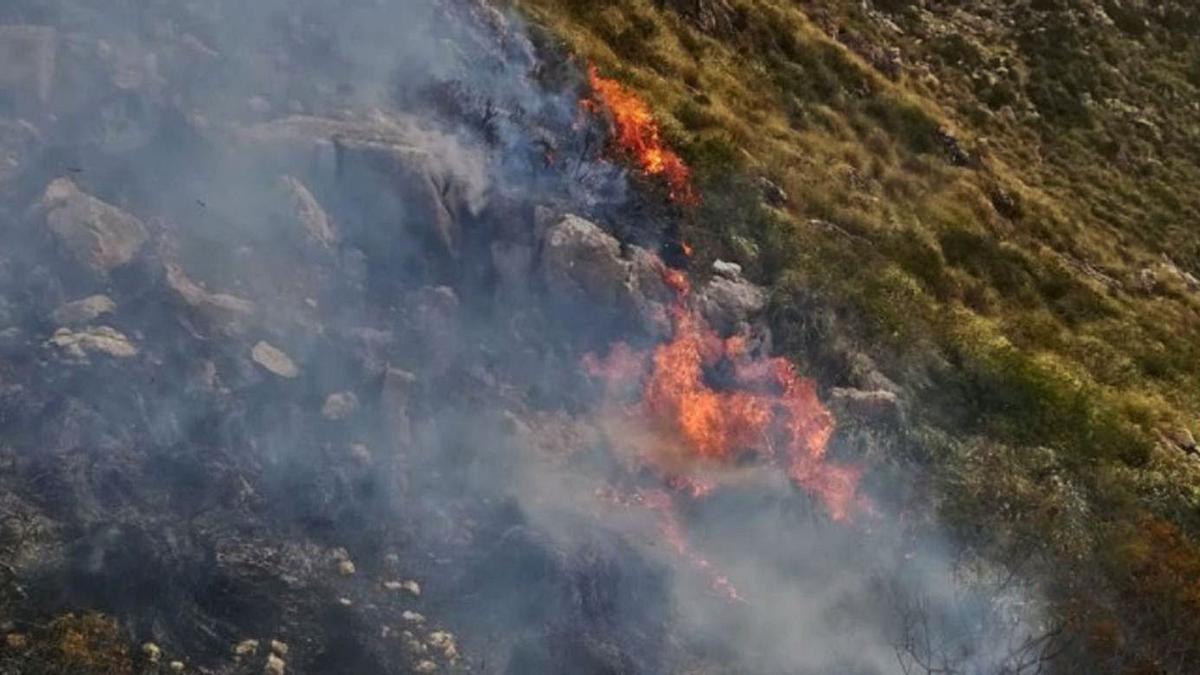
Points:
(1005, 292)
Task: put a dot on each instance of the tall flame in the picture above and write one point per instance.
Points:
(638, 135)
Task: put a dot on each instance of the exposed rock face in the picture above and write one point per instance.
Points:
(97, 234)
(27, 59)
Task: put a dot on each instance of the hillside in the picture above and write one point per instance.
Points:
(997, 203)
(700, 337)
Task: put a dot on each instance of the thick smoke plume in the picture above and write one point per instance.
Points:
(297, 305)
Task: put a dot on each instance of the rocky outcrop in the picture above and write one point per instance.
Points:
(98, 235)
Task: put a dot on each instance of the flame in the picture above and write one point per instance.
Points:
(691, 434)
(638, 136)
(766, 409)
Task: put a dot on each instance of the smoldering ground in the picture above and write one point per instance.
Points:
(344, 320)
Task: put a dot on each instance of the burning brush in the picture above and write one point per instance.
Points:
(694, 435)
(637, 136)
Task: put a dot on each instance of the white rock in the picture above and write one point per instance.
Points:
(274, 360)
(98, 339)
(339, 406)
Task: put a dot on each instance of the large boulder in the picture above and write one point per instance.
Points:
(417, 182)
(728, 299)
(583, 266)
(98, 235)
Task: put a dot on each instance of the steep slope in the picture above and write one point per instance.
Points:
(997, 202)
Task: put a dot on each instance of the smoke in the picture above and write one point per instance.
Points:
(438, 143)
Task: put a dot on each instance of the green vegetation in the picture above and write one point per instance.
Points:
(1003, 213)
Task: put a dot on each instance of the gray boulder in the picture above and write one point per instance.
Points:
(98, 235)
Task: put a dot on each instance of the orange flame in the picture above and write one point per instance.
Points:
(637, 134)
(767, 409)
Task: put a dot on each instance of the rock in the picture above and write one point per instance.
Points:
(409, 586)
(952, 148)
(879, 405)
(412, 617)
(84, 311)
(346, 568)
(425, 666)
(728, 300)
(97, 234)
(274, 360)
(98, 339)
(215, 309)
(339, 406)
(361, 453)
(317, 224)
(422, 180)
(152, 652)
(28, 57)
(728, 270)
(279, 648)
(1183, 439)
(275, 665)
(16, 641)
(772, 194)
(246, 648)
(412, 645)
(582, 265)
(176, 666)
(444, 642)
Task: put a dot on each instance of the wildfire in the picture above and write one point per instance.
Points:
(692, 434)
(637, 135)
(766, 409)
